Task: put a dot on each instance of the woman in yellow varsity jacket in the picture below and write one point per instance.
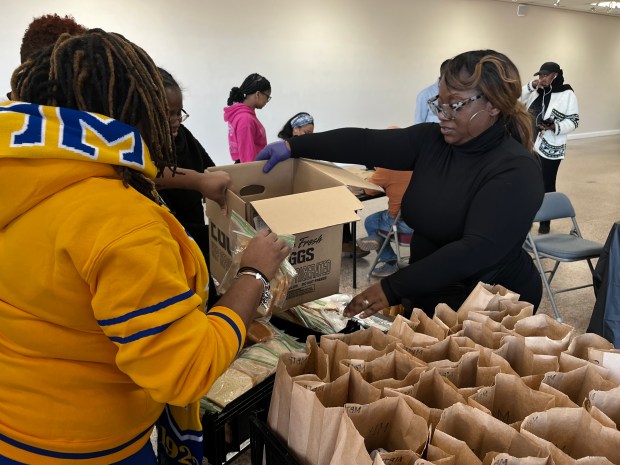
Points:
(102, 323)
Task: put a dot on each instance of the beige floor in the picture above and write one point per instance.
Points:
(590, 177)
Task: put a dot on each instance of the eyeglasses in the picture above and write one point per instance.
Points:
(181, 116)
(448, 110)
(266, 95)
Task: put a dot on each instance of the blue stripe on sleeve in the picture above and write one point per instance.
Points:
(147, 310)
(234, 326)
(141, 334)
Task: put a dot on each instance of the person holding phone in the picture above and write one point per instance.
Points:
(555, 113)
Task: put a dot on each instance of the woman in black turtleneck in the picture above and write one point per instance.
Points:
(475, 189)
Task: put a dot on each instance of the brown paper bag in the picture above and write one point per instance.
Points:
(366, 344)
(450, 348)
(402, 457)
(600, 416)
(462, 373)
(315, 415)
(393, 311)
(314, 426)
(483, 333)
(484, 433)
(367, 337)
(506, 308)
(578, 383)
(350, 448)
(485, 319)
(404, 330)
(314, 363)
(561, 399)
(523, 360)
(416, 406)
(544, 335)
(607, 359)
(510, 400)
(580, 344)
(593, 461)
(481, 296)
(560, 458)
(389, 424)
(412, 378)
(533, 381)
(437, 456)
(489, 365)
(607, 402)
(395, 365)
(505, 459)
(570, 362)
(435, 392)
(446, 318)
(515, 311)
(575, 432)
(461, 452)
(426, 325)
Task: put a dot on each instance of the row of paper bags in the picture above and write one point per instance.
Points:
(488, 384)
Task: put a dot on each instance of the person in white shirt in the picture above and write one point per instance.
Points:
(555, 113)
(422, 111)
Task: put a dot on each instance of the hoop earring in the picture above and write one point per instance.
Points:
(477, 113)
(471, 119)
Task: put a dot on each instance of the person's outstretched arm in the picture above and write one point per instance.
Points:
(212, 184)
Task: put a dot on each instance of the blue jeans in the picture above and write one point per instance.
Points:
(382, 220)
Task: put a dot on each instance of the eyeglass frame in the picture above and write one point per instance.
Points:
(181, 117)
(454, 107)
(266, 95)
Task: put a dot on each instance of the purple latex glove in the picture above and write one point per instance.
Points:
(274, 153)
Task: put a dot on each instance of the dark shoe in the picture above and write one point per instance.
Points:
(369, 243)
(347, 251)
(544, 227)
(384, 269)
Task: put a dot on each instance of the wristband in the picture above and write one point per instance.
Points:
(265, 298)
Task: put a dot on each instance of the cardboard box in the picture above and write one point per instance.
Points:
(306, 198)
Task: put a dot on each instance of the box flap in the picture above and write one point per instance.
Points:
(250, 183)
(344, 176)
(309, 210)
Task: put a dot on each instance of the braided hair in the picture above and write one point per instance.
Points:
(102, 72)
(253, 83)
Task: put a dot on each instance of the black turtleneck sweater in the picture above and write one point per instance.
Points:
(470, 206)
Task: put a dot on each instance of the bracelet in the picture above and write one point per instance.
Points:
(254, 271)
(265, 298)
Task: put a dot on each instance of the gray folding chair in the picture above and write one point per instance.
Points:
(399, 240)
(569, 247)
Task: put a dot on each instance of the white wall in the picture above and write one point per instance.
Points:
(348, 62)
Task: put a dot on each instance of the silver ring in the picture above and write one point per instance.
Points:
(366, 303)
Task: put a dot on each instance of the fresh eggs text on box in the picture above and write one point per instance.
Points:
(315, 257)
(291, 199)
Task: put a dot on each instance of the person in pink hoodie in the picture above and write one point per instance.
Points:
(246, 134)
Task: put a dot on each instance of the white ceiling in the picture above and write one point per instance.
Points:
(584, 6)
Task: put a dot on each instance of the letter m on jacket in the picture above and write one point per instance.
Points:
(84, 133)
